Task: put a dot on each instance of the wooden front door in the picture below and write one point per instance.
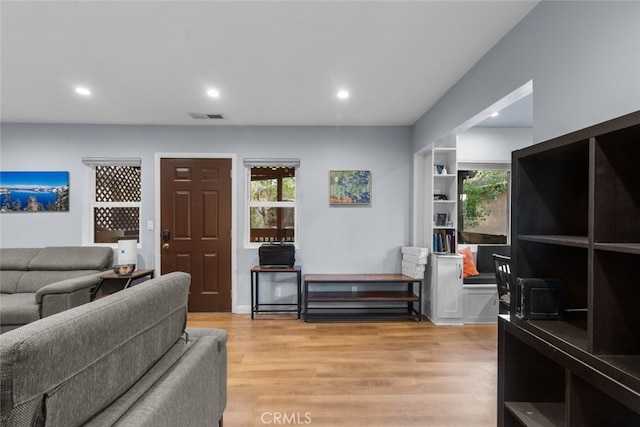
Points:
(195, 232)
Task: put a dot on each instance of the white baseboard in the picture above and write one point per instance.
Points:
(242, 309)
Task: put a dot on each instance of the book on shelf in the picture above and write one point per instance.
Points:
(444, 241)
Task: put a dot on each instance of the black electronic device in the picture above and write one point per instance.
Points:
(277, 255)
(539, 298)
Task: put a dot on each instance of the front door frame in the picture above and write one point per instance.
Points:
(234, 192)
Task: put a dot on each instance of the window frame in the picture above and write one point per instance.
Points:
(249, 164)
(92, 164)
(498, 166)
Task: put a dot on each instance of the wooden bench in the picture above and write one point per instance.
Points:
(337, 296)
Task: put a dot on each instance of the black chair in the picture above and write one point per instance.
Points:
(504, 279)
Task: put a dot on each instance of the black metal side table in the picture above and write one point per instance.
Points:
(255, 290)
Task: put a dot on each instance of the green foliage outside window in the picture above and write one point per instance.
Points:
(266, 190)
(272, 217)
(485, 186)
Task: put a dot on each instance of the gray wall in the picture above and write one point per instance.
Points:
(583, 58)
(332, 239)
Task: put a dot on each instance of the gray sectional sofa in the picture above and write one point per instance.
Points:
(123, 360)
(39, 282)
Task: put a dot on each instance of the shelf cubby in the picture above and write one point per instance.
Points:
(616, 302)
(449, 209)
(565, 262)
(591, 407)
(617, 186)
(535, 413)
(534, 384)
(554, 181)
(445, 185)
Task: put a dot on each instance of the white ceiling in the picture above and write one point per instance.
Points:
(275, 63)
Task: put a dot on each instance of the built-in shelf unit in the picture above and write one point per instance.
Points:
(442, 210)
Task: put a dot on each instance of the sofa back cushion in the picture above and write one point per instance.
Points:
(17, 258)
(65, 258)
(13, 263)
(9, 280)
(64, 368)
(29, 269)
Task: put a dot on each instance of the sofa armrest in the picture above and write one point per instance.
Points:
(68, 286)
(189, 391)
(217, 338)
(65, 294)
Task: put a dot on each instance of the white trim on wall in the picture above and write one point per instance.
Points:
(484, 165)
(234, 227)
(423, 193)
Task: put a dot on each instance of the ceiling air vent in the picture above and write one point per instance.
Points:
(206, 116)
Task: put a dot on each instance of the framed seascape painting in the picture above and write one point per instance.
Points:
(349, 187)
(34, 191)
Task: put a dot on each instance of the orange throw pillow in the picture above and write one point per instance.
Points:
(468, 266)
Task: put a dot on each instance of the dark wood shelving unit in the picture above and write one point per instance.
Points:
(330, 301)
(537, 413)
(391, 296)
(576, 241)
(576, 217)
(631, 248)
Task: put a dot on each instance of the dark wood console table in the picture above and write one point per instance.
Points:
(319, 296)
(126, 280)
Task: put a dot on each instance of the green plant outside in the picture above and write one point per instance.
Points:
(486, 186)
(267, 191)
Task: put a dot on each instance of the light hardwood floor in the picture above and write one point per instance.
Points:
(282, 371)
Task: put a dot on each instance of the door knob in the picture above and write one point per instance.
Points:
(165, 246)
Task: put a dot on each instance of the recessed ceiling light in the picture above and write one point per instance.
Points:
(343, 94)
(495, 114)
(83, 91)
(214, 93)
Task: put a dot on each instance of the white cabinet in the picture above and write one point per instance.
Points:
(480, 304)
(444, 298)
